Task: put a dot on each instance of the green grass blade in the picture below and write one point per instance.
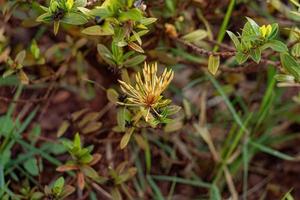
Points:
(288, 196)
(271, 151)
(224, 25)
(2, 180)
(196, 183)
(245, 155)
(155, 188)
(266, 102)
(39, 152)
(11, 108)
(215, 193)
(236, 117)
(140, 173)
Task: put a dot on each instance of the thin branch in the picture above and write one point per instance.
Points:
(224, 46)
(9, 100)
(201, 51)
(249, 68)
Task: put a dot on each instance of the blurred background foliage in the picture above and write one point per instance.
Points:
(233, 130)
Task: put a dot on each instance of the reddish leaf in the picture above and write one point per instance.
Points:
(64, 168)
(80, 180)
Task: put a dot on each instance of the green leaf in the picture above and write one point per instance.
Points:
(74, 18)
(62, 128)
(296, 50)
(117, 53)
(126, 138)
(132, 14)
(86, 158)
(135, 61)
(44, 8)
(136, 47)
(31, 166)
(85, 11)
(241, 57)
(91, 127)
(37, 196)
(295, 14)
(234, 39)
(58, 186)
(112, 95)
(46, 17)
(120, 35)
(56, 148)
(284, 78)
(103, 50)
(101, 12)
(106, 29)
(171, 5)
(277, 45)
(8, 72)
(20, 57)
(290, 65)
(137, 37)
(195, 36)
(91, 173)
(55, 27)
(105, 54)
(274, 31)
(148, 21)
(77, 141)
(248, 32)
(254, 25)
(213, 64)
(255, 54)
(140, 33)
(34, 49)
(54, 5)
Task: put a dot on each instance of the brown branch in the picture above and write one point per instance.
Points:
(249, 68)
(9, 100)
(221, 45)
(205, 52)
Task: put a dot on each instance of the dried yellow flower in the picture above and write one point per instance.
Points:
(148, 89)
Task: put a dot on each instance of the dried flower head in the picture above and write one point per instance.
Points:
(148, 89)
